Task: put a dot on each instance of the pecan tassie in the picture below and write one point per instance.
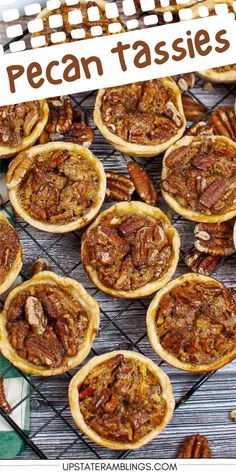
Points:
(201, 262)
(192, 323)
(21, 125)
(56, 187)
(66, 124)
(48, 324)
(214, 238)
(199, 178)
(141, 119)
(70, 25)
(10, 254)
(121, 400)
(130, 250)
(195, 447)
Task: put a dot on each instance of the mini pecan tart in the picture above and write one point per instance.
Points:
(221, 74)
(56, 187)
(10, 254)
(70, 25)
(121, 400)
(141, 119)
(191, 323)
(21, 125)
(130, 250)
(48, 324)
(199, 178)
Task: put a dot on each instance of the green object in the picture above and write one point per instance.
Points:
(16, 388)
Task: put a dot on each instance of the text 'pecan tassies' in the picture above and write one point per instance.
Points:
(119, 187)
(195, 447)
(4, 405)
(202, 263)
(144, 186)
(214, 238)
(223, 121)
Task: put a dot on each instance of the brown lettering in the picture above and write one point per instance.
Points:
(120, 48)
(73, 66)
(34, 70)
(144, 53)
(14, 72)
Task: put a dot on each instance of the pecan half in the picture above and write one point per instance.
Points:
(144, 186)
(213, 193)
(35, 315)
(185, 81)
(60, 115)
(193, 109)
(4, 405)
(40, 265)
(195, 447)
(202, 263)
(223, 122)
(214, 238)
(200, 128)
(119, 187)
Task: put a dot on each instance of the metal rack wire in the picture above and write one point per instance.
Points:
(110, 159)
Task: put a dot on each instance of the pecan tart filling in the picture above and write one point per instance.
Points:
(48, 324)
(192, 323)
(79, 26)
(10, 254)
(21, 125)
(199, 178)
(121, 400)
(141, 119)
(131, 250)
(57, 187)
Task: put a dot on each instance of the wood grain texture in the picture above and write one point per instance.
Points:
(123, 325)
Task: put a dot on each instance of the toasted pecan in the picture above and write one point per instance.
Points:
(195, 447)
(144, 186)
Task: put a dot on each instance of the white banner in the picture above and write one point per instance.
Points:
(117, 59)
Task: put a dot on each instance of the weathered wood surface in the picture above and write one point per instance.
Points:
(207, 412)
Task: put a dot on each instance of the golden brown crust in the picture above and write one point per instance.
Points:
(154, 338)
(22, 163)
(213, 75)
(143, 209)
(76, 290)
(16, 267)
(139, 150)
(187, 213)
(28, 141)
(77, 380)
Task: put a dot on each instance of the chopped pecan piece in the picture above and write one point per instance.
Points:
(202, 263)
(65, 328)
(4, 405)
(119, 187)
(214, 238)
(193, 109)
(185, 81)
(213, 193)
(223, 122)
(195, 447)
(40, 265)
(44, 350)
(200, 128)
(35, 316)
(143, 183)
(60, 115)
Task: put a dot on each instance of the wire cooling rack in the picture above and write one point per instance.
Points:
(53, 434)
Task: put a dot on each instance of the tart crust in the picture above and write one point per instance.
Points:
(77, 291)
(154, 338)
(139, 150)
(28, 141)
(17, 265)
(187, 213)
(77, 380)
(212, 75)
(138, 208)
(21, 164)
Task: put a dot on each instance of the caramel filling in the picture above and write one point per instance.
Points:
(128, 251)
(196, 322)
(9, 247)
(202, 176)
(141, 113)
(45, 325)
(17, 122)
(121, 400)
(60, 187)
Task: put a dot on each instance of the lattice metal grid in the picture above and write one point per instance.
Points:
(122, 322)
